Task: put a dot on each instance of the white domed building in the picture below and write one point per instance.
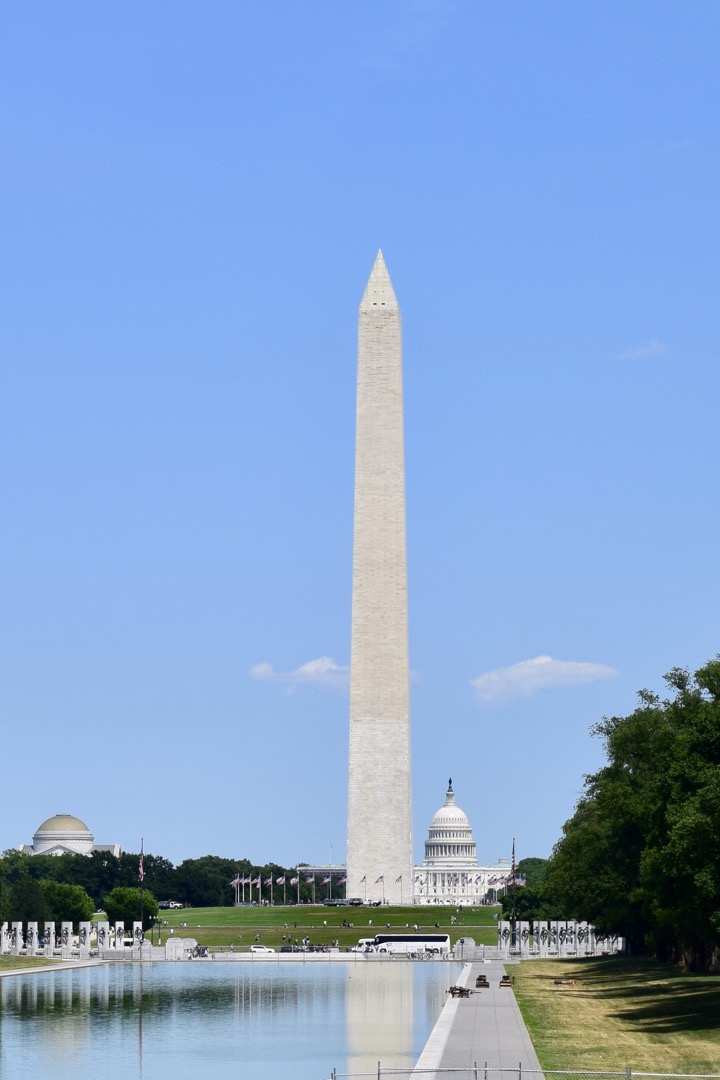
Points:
(450, 872)
(64, 834)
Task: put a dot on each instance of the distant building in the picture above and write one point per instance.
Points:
(64, 834)
(450, 872)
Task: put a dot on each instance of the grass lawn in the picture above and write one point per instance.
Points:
(13, 962)
(620, 1012)
(225, 926)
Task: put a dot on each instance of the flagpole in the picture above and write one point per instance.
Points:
(142, 883)
(512, 871)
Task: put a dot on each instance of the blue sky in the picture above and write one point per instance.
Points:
(192, 199)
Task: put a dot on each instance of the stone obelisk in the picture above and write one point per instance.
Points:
(379, 846)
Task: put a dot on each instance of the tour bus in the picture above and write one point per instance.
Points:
(407, 944)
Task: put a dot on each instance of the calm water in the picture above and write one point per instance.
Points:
(210, 1021)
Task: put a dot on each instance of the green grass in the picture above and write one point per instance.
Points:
(620, 1012)
(13, 962)
(225, 926)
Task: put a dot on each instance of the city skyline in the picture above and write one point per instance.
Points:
(190, 206)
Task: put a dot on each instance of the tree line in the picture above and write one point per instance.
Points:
(640, 856)
(72, 887)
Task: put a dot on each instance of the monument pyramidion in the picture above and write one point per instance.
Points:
(379, 844)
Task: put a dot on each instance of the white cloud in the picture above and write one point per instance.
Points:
(321, 672)
(653, 348)
(530, 676)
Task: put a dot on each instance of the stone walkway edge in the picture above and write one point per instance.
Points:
(485, 1029)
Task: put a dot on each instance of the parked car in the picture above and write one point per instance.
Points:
(261, 949)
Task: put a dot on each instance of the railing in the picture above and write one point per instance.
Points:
(484, 1072)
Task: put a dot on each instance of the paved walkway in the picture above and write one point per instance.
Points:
(485, 1028)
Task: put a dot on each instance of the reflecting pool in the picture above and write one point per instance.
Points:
(195, 1021)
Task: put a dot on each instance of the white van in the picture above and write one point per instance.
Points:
(364, 945)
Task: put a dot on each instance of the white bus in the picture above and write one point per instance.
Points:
(410, 944)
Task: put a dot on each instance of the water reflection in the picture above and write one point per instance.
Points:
(156, 1021)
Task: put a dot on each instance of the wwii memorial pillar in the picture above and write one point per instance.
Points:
(379, 845)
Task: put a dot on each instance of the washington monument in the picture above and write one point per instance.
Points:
(379, 845)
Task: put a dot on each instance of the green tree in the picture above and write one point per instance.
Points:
(27, 900)
(534, 870)
(98, 873)
(70, 903)
(641, 855)
(532, 905)
(123, 905)
(205, 882)
(5, 913)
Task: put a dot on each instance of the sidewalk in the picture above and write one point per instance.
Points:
(486, 1028)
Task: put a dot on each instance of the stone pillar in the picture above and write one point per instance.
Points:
(119, 934)
(84, 930)
(49, 935)
(66, 937)
(17, 938)
(31, 938)
(103, 935)
(4, 938)
(137, 934)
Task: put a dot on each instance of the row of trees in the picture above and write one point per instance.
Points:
(31, 900)
(69, 885)
(640, 856)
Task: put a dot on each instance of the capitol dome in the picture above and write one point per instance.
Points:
(63, 833)
(450, 839)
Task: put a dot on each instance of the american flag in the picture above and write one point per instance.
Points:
(268, 881)
(256, 881)
(141, 867)
(280, 880)
(342, 881)
(310, 880)
(363, 879)
(381, 878)
(326, 880)
(294, 880)
(236, 881)
(398, 880)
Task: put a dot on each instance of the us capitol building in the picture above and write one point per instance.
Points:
(450, 873)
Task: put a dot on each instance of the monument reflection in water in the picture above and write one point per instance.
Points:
(185, 1021)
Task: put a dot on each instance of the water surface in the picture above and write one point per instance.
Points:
(206, 1021)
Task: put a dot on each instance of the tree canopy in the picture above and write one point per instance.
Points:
(124, 904)
(68, 903)
(641, 854)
